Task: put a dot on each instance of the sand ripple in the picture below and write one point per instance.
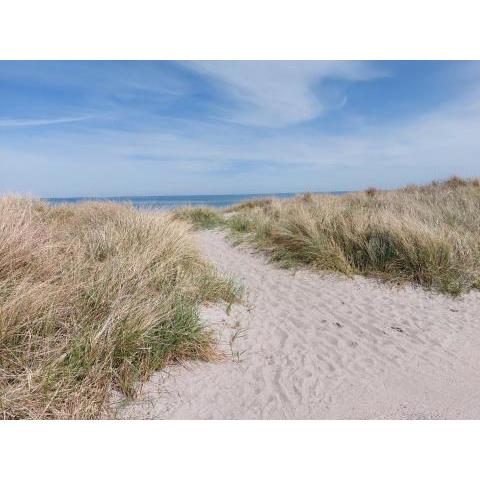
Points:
(311, 346)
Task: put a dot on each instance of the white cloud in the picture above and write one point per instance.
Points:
(421, 149)
(36, 122)
(278, 93)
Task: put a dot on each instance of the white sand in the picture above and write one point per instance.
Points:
(313, 346)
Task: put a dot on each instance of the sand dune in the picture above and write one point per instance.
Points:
(310, 346)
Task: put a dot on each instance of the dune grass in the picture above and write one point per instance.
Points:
(95, 297)
(428, 235)
(249, 204)
(200, 217)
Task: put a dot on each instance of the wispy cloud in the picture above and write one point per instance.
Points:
(279, 93)
(432, 145)
(234, 127)
(37, 122)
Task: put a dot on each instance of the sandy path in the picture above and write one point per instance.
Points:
(310, 347)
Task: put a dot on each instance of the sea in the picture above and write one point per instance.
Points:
(172, 201)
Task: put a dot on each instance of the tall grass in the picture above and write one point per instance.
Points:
(429, 235)
(94, 296)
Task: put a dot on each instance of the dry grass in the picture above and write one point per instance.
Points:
(94, 296)
(249, 204)
(429, 235)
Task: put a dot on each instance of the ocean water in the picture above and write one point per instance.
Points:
(172, 201)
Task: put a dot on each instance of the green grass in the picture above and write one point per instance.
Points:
(200, 217)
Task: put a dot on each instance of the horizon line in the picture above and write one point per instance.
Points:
(192, 195)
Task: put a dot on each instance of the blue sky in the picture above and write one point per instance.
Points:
(145, 128)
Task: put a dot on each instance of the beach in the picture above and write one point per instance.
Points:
(315, 345)
(218, 262)
(360, 306)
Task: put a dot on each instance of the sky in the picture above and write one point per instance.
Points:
(103, 128)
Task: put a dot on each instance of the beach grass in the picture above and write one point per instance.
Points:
(200, 217)
(428, 235)
(95, 297)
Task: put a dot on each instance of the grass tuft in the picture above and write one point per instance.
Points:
(428, 235)
(95, 296)
(199, 217)
(249, 204)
